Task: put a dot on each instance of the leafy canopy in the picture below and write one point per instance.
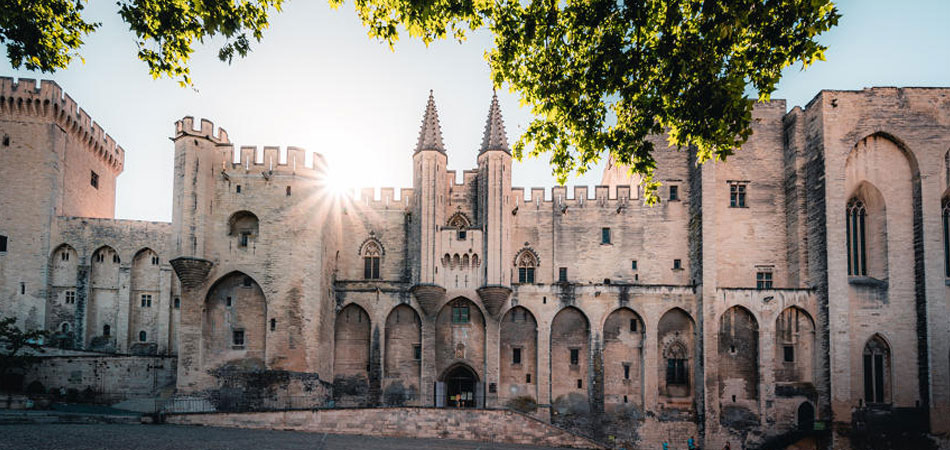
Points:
(599, 75)
(13, 342)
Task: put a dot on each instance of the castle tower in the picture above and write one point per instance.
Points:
(428, 170)
(195, 167)
(494, 186)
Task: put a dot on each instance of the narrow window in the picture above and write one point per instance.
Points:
(856, 238)
(460, 313)
(417, 352)
(273, 324)
(238, 189)
(461, 235)
(143, 336)
(626, 371)
(633, 324)
(562, 274)
(677, 264)
(106, 330)
(70, 297)
(633, 264)
(227, 302)
(674, 193)
(676, 371)
(247, 281)
(575, 356)
(946, 234)
(94, 180)
(371, 256)
(177, 302)
(516, 356)
(737, 191)
(527, 378)
(154, 260)
(789, 353)
(580, 383)
(3, 243)
(115, 259)
(6, 141)
(22, 288)
(288, 191)
(605, 235)
(763, 280)
(245, 238)
(237, 338)
(65, 328)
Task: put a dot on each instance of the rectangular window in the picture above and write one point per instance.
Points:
(227, 302)
(461, 235)
(371, 267)
(238, 189)
(526, 275)
(115, 259)
(245, 238)
(580, 384)
(633, 265)
(70, 297)
(575, 356)
(674, 192)
(605, 235)
(94, 180)
(633, 324)
(677, 264)
(154, 260)
(562, 274)
(247, 282)
(237, 338)
(460, 314)
(146, 300)
(763, 280)
(516, 356)
(177, 303)
(737, 195)
(3, 243)
(527, 378)
(417, 352)
(676, 371)
(22, 288)
(626, 371)
(789, 353)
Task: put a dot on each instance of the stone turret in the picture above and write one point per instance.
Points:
(430, 135)
(494, 185)
(429, 182)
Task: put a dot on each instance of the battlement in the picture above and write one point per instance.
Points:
(604, 196)
(47, 101)
(386, 198)
(186, 127)
(271, 160)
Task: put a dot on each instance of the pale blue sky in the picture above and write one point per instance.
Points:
(318, 82)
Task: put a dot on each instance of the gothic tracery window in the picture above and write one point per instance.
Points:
(527, 263)
(876, 368)
(461, 224)
(857, 238)
(677, 367)
(371, 256)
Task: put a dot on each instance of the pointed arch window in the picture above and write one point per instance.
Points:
(677, 365)
(461, 225)
(527, 263)
(857, 238)
(371, 257)
(876, 368)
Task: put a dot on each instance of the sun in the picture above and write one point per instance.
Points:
(342, 176)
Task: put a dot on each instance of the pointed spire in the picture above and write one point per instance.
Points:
(495, 137)
(430, 135)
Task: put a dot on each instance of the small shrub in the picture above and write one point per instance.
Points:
(524, 404)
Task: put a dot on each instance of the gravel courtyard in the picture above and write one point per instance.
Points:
(176, 437)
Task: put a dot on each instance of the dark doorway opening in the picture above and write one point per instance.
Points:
(460, 387)
(806, 417)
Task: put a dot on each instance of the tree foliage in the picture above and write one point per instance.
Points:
(13, 344)
(599, 75)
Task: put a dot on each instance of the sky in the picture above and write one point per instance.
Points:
(318, 82)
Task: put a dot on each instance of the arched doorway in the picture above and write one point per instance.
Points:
(461, 384)
(806, 417)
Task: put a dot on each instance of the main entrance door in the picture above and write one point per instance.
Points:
(460, 387)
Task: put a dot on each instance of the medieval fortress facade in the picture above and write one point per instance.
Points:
(806, 279)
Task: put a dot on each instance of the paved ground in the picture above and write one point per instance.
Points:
(177, 437)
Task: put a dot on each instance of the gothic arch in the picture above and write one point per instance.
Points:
(459, 220)
(866, 232)
(403, 356)
(738, 359)
(103, 303)
(460, 335)
(624, 334)
(351, 355)
(370, 245)
(877, 369)
(234, 320)
(794, 346)
(676, 348)
(518, 353)
(570, 353)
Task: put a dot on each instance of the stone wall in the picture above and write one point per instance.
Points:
(112, 377)
(474, 425)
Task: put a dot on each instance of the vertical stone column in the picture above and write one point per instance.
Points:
(544, 360)
(193, 273)
(122, 321)
(82, 302)
(492, 359)
(164, 310)
(429, 375)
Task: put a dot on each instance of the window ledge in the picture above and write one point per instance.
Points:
(867, 281)
(237, 347)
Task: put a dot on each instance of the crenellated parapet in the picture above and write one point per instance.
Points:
(250, 159)
(604, 197)
(23, 98)
(386, 198)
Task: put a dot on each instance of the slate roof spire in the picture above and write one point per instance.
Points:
(494, 137)
(430, 134)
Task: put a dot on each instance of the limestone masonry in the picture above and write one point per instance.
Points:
(803, 282)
